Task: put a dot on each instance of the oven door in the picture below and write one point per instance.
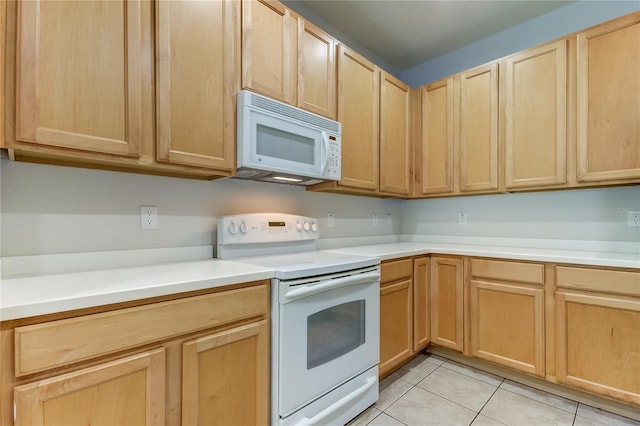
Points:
(328, 332)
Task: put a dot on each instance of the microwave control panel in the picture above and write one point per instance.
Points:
(333, 159)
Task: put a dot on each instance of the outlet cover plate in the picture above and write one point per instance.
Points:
(633, 217)
(148, 217)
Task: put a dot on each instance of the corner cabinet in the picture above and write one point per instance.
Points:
(198, 45)
(608, 104)
(395, 136)
(535, 117)
(202, 359)
(598, 331)
(447, 302)
(421, 308)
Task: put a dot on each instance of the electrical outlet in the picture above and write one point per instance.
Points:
(148, 217)
(331, 219)
(462, 219)
(374, 219)
(633, 218)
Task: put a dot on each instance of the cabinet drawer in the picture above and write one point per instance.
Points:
(395, 270)
(508, 271)
(621, 282)
(42, 346)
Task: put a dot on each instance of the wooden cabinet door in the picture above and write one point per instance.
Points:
(395, 136)
(316, 76)
(598, 344)
(447, 302)
(395, 324)
(128, 391)
(225, 377)
(80, 82)
(608, 105)
(477, 128)
(269, 49)
(358, 93)
(437, 138)
(421, 297)
(198, 44)
(535, 115)
(507, 325)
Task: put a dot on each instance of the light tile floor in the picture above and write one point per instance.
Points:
(431, 390)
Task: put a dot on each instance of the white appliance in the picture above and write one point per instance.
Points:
(284, 144)
(325, 318)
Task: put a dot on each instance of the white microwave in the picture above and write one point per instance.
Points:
(284, 144)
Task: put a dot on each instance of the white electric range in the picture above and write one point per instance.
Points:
(325, 318)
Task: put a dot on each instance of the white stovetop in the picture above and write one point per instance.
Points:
(37, 285)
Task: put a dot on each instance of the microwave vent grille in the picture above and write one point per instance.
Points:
(295, 113)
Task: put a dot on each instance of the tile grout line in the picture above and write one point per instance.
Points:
(485, 404)
(542, 402)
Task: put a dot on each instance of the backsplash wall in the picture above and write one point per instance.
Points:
(581, 214)
(53, 209)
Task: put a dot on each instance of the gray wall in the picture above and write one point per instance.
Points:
(584, 214)
(566, 20)
(53, 209)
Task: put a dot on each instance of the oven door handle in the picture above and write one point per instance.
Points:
(304, 291)
(338, 405)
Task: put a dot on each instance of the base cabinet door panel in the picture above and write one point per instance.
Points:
(421, 311)
(128, 391)
(395, 325)
(447, 303)
(598, 344)
(507, 325)
(225, 378)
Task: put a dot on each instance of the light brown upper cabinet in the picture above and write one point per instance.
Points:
(268, 49)
(437, 138)
(198, 45)
(476, 130)
(80, 79)
(287, 58)
(358, 96)
(535, 116)
(459, 149)
(608, 104)
(395, 136)
(316, 70)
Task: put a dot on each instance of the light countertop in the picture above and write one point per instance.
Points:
(46, 290)
(23, 297)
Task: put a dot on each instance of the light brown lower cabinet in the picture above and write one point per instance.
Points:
(598, 333)
(447, 302)
(202, 359)
(421, 297)
(506, 308)
(127, 391)
(396, 319)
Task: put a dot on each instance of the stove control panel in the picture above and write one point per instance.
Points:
(255, 228)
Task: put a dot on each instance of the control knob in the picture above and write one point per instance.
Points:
(314, 227)
(233, 228)
(244, 228)
(298, 226)
(306, 226)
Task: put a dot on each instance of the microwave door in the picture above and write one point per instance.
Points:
(285, 146)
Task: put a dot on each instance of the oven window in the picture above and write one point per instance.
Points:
(277, 143)
(334, 332)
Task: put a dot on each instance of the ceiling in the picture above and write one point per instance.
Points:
(407, 33)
